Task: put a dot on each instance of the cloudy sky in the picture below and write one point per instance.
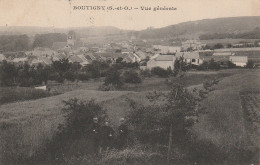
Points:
(60, 13)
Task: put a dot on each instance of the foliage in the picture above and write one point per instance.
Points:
(159, 72)
(218, 46)
(78, 123)
(179, 66)
(8, 74)
(254, 34)
(132, 77)
(79, 116)
(145, 73)
(250, 64)
(113, 77)
(14, 42)
(47, 40)
(152, 123)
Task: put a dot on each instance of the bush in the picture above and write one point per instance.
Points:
(78, 122)
(113, 77)
(250, 64)
(159, 72)
(145, 73)
(132, 77)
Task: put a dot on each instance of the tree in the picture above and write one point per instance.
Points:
(61, 67)
(113, 77)
(250, 64)
(132, 77)
(159, 72)
(179, 66)
(8, 74)
(167, 120)
(218, 46)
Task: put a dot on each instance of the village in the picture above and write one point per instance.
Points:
(145, 54)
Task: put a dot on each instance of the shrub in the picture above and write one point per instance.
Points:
(78, 122)
(113, 77)
(132, 77)
(250, 64)
(145, 73)
(159, 72)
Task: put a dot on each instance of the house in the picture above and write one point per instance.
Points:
(46, 52)
(163, 61)
(223, 54)
(90, 57)
(84, 60)
(140, 54)
(131, 57)
(190, 57)
(58, 57)
(20, 60)
(191, 45)
(239, 60)
(41, 60)
(2, 57)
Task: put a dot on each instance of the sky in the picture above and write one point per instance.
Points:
(61, 13)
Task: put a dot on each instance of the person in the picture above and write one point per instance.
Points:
(122, 133)
(107, 136)
(95, 130)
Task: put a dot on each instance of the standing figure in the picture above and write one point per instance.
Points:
(122, 133)
(107, 136)
(96, 134)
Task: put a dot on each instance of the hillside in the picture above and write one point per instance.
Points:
(195, 28)
(192, 29)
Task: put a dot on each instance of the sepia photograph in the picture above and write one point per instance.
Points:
(129, 82)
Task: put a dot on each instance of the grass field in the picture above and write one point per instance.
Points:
(27, 126)
(13, 94)
(225, 123)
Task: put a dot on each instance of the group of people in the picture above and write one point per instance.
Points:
(104, 137)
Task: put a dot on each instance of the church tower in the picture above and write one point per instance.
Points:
(71, 38)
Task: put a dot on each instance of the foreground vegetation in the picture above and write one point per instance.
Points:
(221, 134)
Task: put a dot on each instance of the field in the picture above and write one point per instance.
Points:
(27, 126)
(12, 94)
(226, 123)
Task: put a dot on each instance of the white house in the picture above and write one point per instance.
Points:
(239, 60)
(190, 57)
(163, 61)
(2, 57)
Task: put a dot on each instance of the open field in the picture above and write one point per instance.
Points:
(12, 94)
(225, 123)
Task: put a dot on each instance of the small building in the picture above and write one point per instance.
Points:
(2, 57)
(163, 61)
(131, 57)
(223, 54)
(190, 57)
(41, 60)
(22, 60)
(239, 60)
(191, 45)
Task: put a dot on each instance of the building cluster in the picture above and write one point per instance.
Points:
(148, 56)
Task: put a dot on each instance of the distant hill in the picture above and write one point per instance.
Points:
(82, 31)
(192, 29)
(206, 26)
